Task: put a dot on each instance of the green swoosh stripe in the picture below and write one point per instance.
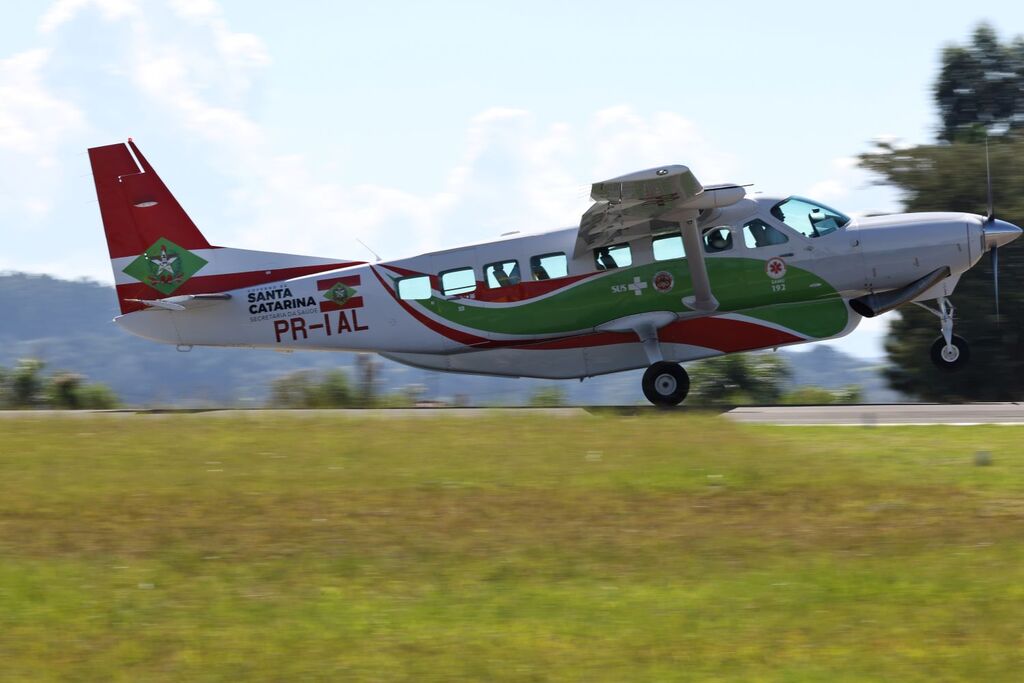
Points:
(802, 301)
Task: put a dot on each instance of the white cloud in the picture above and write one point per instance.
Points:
(63, 11)
(843, 177)
(197, 9)
(625, 141)
(31, 115)
(183, 59)
(34, 124)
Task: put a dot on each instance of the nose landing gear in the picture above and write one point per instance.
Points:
(951, 356)
(666, 384)
(949, 352)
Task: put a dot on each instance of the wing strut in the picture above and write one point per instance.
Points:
(702, 300)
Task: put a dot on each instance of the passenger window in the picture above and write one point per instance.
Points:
(459, 281)
(417, 287)
(757, 233)
(614, 256)
(717, 240)
(547, 266)
(668, 247)
(502, 274)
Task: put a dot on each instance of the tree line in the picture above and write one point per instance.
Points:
(979, 96)
(26, 386)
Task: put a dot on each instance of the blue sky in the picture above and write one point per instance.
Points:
(304, 126)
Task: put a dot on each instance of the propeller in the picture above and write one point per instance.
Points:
(989, 220)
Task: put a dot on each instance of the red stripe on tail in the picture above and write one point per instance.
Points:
(350, 280)
(136, 206)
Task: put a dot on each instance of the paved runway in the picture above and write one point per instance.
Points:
(865, 414)
(899, 414)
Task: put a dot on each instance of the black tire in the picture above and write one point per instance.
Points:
(666, 384)
(954, 358)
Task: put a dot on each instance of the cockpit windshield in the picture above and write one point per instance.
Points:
(810, 219)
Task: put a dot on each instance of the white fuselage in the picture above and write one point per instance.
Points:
(559, 327)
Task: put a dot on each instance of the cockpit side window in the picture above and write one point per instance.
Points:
(809, 218)
(717, 239)
(757, 233)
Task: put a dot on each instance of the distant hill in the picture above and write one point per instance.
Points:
(828, 367)
(67, 323)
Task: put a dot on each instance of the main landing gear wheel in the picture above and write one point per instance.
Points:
(666, 384)
(953, 356)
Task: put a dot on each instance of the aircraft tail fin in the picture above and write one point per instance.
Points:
(155, 248)
(136, 206)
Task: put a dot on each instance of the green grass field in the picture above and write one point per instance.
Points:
(655, 548)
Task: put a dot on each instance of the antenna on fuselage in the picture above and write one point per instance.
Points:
(375, 254)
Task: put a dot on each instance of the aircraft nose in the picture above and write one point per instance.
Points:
(998, 233)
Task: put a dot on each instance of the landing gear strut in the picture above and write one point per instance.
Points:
(949, 352)
(666, 384)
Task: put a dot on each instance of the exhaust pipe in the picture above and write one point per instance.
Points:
(871, 305)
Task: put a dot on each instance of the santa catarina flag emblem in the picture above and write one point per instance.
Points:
(165, 266)
(339, 293)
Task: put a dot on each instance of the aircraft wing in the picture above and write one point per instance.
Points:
(624, 207)
(633, 205)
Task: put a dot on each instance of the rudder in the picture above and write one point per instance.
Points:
(136, 206)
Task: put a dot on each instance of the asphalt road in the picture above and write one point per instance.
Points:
(864, 415)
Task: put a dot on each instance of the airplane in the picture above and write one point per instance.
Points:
(661, 270)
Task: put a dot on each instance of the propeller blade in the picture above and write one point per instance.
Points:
(995, 277)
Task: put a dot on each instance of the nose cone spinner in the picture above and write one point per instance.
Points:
(999, 233)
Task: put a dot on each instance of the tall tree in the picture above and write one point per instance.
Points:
(947, 177)
(979, 91)
(981, 86)
(739, 378)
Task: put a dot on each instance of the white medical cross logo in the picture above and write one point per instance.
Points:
(637, 286)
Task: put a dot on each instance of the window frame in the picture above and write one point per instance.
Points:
(444, 290)
(665, 236)
(516, 269)
(609, 247)
(772, 223)
(536, 261)
(430, 287)
(730, 232)
(813, 203)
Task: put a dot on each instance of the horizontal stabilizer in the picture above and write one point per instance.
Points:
(183, 302)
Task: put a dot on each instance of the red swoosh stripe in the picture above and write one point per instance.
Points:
(721, 334)
(725, 334)
(455, 335)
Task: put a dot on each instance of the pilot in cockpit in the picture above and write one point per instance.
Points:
(716, 240)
